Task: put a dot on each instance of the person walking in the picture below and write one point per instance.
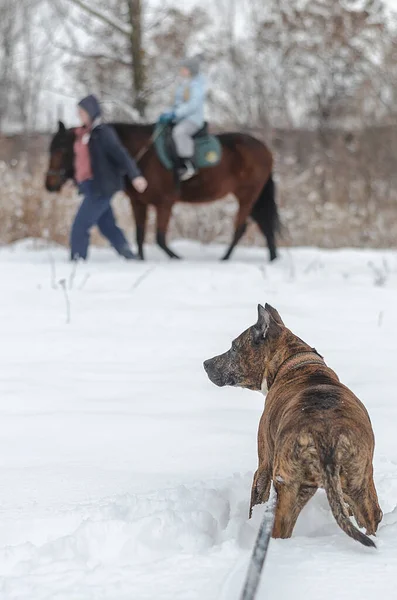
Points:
(101, 164)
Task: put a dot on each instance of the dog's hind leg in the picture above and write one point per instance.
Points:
(363, 501)
(260, 487)
(290, 501)
(349, 505)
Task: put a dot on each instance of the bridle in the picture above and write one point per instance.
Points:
(56, 172)
(62, 171)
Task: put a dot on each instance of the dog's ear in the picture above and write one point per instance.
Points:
(61, 126)
(274, 313)
(263, 323)
(269, 321)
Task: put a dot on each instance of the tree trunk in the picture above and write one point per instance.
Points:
(137, 53)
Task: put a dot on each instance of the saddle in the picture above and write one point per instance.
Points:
(202, 131)
(208, 149)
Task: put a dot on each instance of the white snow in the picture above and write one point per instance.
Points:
(125, 474)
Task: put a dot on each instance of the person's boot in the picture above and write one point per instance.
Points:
(75, 258)
(189, 171)
(127, 253)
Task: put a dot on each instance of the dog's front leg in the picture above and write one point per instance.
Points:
(260, 486)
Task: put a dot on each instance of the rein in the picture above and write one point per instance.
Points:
(143, 151)
(318, 361)
(56, 172)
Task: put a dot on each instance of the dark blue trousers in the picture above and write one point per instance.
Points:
(94, 210)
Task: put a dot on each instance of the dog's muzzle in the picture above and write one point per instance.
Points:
(212, 372)
(216, 375)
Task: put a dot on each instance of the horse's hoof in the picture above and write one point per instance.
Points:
(224, 258)
(273, 257)
(175, 257)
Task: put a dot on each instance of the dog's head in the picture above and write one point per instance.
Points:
(247, 362)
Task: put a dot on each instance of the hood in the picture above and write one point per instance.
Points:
(91, 106)
(192, 64)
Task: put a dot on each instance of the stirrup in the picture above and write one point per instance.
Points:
(188, 172)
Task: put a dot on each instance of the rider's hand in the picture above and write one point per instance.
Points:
(167, 117)
(140, 184)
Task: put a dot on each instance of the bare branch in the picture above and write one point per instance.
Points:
(115, 60)
(66, 20)
(127, 108)
(114, 23)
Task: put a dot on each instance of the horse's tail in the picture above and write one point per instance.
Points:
(265, 212)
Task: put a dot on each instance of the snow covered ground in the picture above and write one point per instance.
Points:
(125, 474)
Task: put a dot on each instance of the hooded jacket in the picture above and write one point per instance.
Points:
(110, 161)
(189, 100)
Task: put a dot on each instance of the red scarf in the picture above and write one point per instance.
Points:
(82, 158)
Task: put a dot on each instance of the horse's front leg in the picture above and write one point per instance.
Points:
(140, 213)
(140, 218)
(164, 210)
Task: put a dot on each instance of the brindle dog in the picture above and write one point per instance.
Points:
(314, 432)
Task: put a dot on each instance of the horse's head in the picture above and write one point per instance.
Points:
(61, 167)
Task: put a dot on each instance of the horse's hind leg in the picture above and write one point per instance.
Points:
(163, 219)
(238, 234)
(265, 215)
(266, 229)
(246, 199)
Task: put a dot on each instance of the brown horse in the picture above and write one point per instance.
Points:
(245, 171)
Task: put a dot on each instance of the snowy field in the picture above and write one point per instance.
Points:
(125, 474)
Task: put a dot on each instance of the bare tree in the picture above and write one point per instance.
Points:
(293, 63)
(9, 35)
(24, 55)
(126, 53)
(116, 32)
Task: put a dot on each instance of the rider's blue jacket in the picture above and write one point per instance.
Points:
(189, 100)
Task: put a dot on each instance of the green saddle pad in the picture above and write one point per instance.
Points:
(208, 149)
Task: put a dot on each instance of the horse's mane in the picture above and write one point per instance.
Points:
(147, 128)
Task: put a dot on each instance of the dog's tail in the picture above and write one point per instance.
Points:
(333, 489)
